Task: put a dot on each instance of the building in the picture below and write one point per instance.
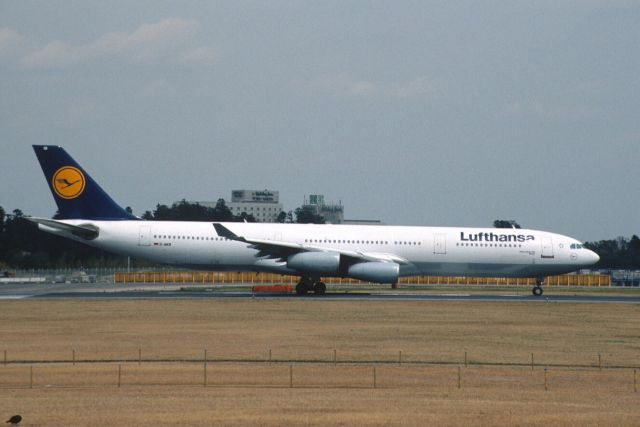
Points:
(264, 205)
(332, 213)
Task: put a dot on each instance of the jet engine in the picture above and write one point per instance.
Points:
(379, 272)
(315, 262)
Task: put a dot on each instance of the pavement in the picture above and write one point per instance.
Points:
(110, 291)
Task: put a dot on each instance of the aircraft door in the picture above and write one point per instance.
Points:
(144, 235)
(547, 247)
(440, 244)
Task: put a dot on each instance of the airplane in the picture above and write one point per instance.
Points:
(374, 253)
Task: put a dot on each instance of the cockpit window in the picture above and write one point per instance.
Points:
(576, 246)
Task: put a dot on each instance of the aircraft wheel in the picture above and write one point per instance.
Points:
(537, 291)
(302, 288)
(319, 288)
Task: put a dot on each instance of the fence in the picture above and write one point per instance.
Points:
(595, 280)
(312, 374)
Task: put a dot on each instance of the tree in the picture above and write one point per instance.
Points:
(162, 213)
(244, 217)
(617, 253)
(282, 217)
(306, 215)
(2, 216)
(222, 211)
(504, 223)
(187, 211)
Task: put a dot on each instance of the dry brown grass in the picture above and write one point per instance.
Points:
(323, 394)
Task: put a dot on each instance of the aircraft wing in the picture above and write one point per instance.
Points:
(281, 250)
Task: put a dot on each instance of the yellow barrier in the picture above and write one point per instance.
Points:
(206, 277)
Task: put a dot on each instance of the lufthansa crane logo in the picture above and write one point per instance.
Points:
(68, 182)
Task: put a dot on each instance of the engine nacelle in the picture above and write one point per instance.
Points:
(379, 272)
(315, 262)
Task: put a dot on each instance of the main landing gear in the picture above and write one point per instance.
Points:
(306, 285)
(537, 289)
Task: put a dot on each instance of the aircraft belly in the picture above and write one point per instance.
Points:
(234, 254)
(482, 269)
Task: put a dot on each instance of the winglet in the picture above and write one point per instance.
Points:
(226, 233)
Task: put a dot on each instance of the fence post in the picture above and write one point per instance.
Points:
(73, 357)
(374, 377)
(335, 356)
(400, 357)
(531, 362)
(635, 383)
(119, 374)
(31, 377)
(465, 359)
(599, 361)
(205, 367)
(5, 357)
(270, 356)
(459, 377)
(139, 356)
(290, 376)
(545, 380)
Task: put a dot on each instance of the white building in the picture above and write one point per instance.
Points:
(264, 205)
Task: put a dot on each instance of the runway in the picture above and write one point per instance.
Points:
(110, 292)
(345, 297)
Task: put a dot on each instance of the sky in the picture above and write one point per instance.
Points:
(444, 113)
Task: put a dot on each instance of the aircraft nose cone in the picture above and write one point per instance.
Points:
(593, 257)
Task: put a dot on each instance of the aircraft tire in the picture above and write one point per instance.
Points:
(537, 291)
(302, 288)
(319, 288)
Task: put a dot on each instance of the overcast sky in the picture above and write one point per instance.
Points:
(422, 113)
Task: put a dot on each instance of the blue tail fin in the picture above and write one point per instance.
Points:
(77, 195)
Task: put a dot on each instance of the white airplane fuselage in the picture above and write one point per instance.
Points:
(442, 251)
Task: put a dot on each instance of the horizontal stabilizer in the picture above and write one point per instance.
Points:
(84, 231)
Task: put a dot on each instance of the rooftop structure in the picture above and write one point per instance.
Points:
(332, 213)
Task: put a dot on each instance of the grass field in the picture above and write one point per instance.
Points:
(497, 386)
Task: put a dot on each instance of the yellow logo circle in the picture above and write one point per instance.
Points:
(68, 182)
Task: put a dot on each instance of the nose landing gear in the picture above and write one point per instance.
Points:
(537, 289)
